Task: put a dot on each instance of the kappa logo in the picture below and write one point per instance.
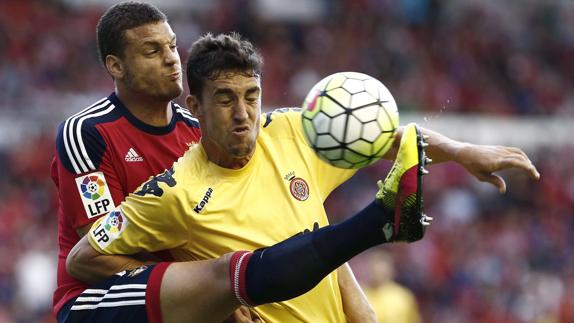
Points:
(204, 201)
(132, 156)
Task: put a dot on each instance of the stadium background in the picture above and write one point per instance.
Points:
(500, 72)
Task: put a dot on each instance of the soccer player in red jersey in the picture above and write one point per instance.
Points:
(107, 150)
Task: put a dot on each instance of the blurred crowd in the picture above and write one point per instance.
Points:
(513, 57)
(487, 258)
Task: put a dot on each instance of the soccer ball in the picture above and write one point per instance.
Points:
(349, 119)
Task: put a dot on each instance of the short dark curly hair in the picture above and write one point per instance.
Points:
(117, 19)
(210, 55)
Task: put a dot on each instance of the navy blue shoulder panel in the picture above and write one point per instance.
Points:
(184, 115)
(79, 144)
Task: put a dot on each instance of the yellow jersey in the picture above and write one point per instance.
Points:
(393, 303)
(198, 210)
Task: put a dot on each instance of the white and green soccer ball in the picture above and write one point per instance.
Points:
(350, 119)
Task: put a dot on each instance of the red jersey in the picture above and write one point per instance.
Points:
(103, 153)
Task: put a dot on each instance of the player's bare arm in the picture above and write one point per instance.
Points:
(481, 161)
(243, 315)
(88, 265)
(96, 268)
(83, 229)
(355, 303)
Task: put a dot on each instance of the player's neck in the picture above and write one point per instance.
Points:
(217, 156)
(157, 113)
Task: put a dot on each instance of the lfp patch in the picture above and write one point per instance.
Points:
(109, 228)
(114, 222)
(95, 194)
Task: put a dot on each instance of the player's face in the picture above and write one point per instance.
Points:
(151, 63)
(230, 111)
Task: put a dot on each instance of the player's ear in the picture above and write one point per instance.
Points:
(192, 103)
(114, 66)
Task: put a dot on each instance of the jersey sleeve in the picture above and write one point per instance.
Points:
(87, 182)
(151, 219)
(328, 177)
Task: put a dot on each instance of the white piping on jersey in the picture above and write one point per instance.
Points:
(85, 297)
(108, 304)
(115, 287)
(65, 131)
(108, 296)
(185, 113)
(81, 140)
(82, 156)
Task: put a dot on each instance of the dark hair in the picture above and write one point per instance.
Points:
(119, 18)
(210, 55)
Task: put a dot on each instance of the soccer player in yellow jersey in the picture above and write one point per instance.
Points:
(252, 181)
(207, 291)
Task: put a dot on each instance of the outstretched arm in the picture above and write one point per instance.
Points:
(355, 303)
(481, 161)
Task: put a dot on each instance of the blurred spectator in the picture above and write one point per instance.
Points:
(36, 280)
(391, 301)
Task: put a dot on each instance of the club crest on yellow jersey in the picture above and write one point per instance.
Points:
(298, 186)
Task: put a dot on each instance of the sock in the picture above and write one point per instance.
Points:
(296, 265)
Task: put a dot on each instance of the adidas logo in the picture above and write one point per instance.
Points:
(132, 156)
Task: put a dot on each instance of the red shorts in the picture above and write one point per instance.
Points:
(129, 296)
